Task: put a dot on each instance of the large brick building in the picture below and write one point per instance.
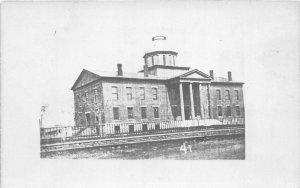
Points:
(161, 91)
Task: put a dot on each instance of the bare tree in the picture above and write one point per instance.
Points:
(43, 110)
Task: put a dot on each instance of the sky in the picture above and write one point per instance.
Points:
(55, 41)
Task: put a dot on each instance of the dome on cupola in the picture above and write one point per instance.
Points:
(160, 53)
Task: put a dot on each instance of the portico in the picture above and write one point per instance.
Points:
(194, 95)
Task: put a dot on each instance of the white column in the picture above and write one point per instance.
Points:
(192, 101)
(200, 91)
(181, 102)
(209, 101)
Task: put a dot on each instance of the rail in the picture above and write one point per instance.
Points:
(112, 130)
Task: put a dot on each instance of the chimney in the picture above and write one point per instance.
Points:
(211, 74)
(145, 71)
(120, 71)
(229, 76)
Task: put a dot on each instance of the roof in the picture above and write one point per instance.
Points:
(166, 67)
(193, 74)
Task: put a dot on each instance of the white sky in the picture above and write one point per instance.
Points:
(55, 41)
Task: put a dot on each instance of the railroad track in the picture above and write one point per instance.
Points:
(139, 139)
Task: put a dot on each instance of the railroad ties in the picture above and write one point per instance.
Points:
(104, 142)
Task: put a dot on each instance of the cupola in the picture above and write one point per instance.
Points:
(160, 53)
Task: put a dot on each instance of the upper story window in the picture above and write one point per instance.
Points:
(115, 95)
(96, 95)
(219, 94)
(154, 93)
(236, 94)
(78, 97)
(129, 93)
(116, 113)
(227, 95)
(85, 96)
(142, 93)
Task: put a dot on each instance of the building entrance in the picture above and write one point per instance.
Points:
(187, 112)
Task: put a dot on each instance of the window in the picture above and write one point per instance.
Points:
(236, 93)
(219, 94)
(238, 110)
(88, 119)
(156, 114)
(129, 93)
(131, 128)
(164, 58)
(228, 111)
(154, 93)
(117, 129)
(174, 60)
(152, 58)
(142, 93)
(144, 113)
(144, 127)
(227, 95)
(96, 95)
(96, 116)
(170, 60)
(130, 112)
(157, 127)
(220, 111)
(115, 95)
(116, 113)
(87, 96)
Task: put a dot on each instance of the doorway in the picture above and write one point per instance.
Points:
(187, 112)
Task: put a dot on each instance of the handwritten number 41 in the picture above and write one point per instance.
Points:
(184, 148)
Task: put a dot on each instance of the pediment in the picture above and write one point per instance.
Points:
(195, 74)
(84, 78)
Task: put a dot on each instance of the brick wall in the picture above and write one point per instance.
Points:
(233, 102)
(123, 103)
(83, 106)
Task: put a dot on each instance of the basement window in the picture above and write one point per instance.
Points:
(144, 113)
(130, 112)
(238, 110)
(156, 114)
(220, 111)
(228, 111)
(117, 129)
